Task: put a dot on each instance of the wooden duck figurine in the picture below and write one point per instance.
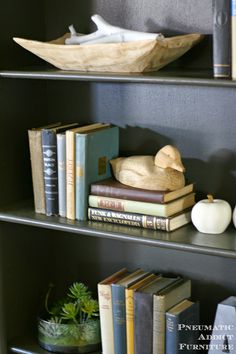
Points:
(161, 172)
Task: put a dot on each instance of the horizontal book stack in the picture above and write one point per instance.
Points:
(65, 159)
(137, 311)
(113, 202)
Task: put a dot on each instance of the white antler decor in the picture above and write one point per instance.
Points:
(106, 33)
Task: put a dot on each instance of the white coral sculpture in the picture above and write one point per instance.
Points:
(106, 33)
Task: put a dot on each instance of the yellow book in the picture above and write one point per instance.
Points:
(70, 165)
(129, 304)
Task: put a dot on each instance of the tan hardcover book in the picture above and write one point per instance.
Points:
(36, 157)
(131, 206)
(162, 302)
(129, 305)
(70, 165)
(105, 309)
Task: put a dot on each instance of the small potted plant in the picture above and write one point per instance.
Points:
(71, 325)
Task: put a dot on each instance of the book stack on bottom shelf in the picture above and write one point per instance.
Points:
(138, 315)
(113, 202)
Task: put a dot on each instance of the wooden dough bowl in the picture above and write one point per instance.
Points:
(136, 56)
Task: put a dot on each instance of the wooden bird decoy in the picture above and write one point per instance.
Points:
(161, 172)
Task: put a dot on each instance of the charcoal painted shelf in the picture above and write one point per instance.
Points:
(28, 345)
(165, 76)
(184, 239)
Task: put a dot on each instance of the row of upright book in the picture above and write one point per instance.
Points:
(224, 39)
(140, 313)
(65, 159)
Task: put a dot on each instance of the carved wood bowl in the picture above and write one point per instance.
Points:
(136, 56)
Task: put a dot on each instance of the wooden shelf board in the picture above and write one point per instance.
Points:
(29, 346)
(164, 76)
(186, 238)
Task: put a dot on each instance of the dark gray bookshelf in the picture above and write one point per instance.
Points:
(165, 76)
(29, 345)
(186, 238)
(181, 104)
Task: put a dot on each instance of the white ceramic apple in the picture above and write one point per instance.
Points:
(211, 216)
(234, 216)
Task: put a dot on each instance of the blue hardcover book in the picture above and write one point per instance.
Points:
(119, 310)
(61, 163)
(180, 336)
(49, 149)
(223, 338)
(94, 150)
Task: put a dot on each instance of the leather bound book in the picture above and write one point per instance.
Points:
(140, 220)
(143, 314)
(36, 157)
(114, 189)
(49, 148)
(221, 38)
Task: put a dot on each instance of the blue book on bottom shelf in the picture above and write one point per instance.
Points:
(94, 150)
(180, 337)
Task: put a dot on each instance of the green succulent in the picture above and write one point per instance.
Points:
(79, 291)
(90, 308)
(76, 307)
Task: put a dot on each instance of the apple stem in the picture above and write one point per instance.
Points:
(210, 198)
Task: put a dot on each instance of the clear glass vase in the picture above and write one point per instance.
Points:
(69, 338)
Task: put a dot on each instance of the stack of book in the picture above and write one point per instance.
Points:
(113, 202)
(65, 159)
(138, 312)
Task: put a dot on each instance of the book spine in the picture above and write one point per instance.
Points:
(127, 205)
(221, 38)
(116, 192)
(172, 339)
(233, 38)
(158, 325)
(129, 305)
(70, 175)
(49, 147)
(36, 156)
(143, 323)
(81, 176)
(154, 209)
(130, 219)
(119, 318)
(106, 319)
(161, 304)
(61, 156)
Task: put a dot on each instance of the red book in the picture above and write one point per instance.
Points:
(114, 189)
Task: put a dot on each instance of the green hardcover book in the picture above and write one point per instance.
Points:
(94, 150)
(132, 206)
